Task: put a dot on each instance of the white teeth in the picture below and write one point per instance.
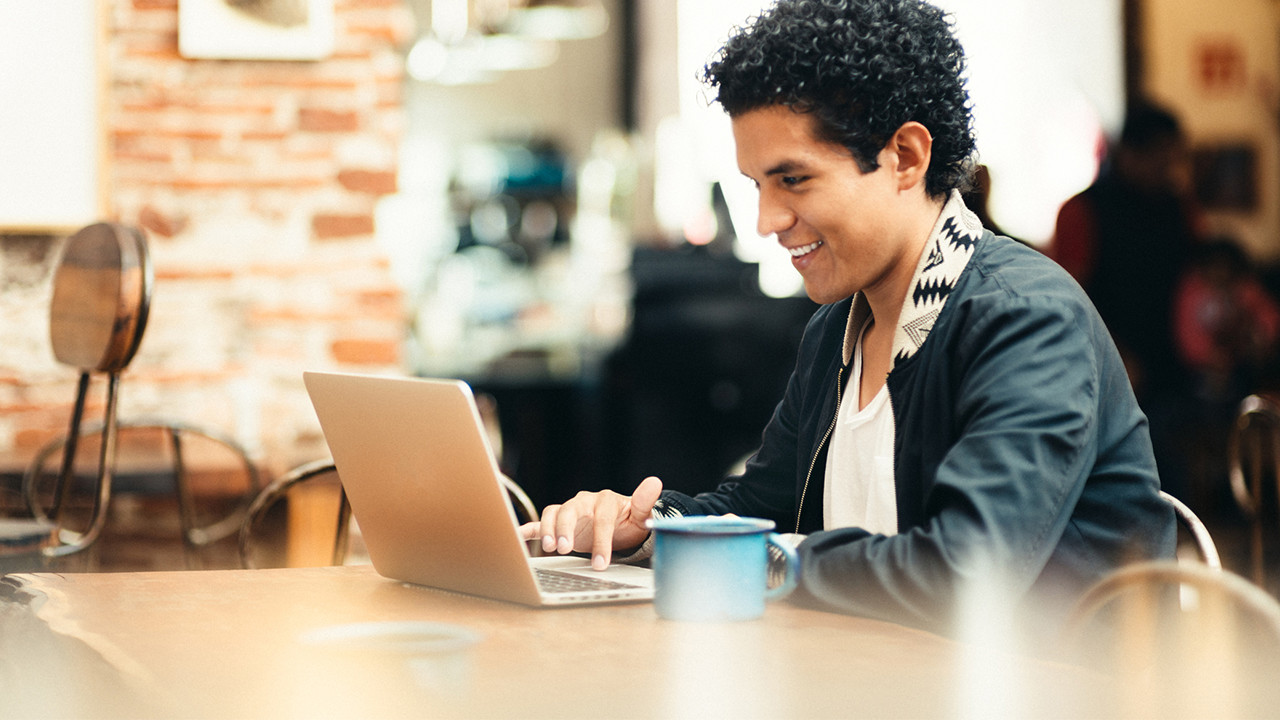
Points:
(804, 249)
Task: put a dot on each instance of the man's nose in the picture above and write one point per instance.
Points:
(774, 217)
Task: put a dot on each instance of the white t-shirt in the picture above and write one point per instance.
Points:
(859, 489)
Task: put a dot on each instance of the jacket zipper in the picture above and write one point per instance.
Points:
(817, 451)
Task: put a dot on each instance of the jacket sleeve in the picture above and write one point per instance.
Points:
(1026, 422)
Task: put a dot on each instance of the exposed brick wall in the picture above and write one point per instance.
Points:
(256, 183)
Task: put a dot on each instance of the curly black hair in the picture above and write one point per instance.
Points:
(862, 68)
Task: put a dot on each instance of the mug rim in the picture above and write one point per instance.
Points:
(711, 525)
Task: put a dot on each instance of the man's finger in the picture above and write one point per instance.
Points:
(642, 500)
(608, 508)
(565, 524)
(547, 528)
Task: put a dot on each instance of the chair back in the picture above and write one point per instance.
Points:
(1253, 452)
(301, 518)
(101, 298)
(1180, 640)
(1206, 549)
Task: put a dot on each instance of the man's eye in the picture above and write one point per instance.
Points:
(792, 180)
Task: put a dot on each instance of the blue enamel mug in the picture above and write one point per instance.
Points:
(713, 568)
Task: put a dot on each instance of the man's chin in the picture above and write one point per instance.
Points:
(823, 296)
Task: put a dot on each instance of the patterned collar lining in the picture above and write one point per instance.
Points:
(947, 253)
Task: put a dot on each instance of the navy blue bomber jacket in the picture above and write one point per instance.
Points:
(1020, 453)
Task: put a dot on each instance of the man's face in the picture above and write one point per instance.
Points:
(1163, 166)
(838, 223)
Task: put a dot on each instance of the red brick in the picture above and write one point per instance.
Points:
(165, 104)
(34, 438)
(379, 295)
(155, 4)
(197, 184)
(338, 226)
(160, 223)
(190, 272)
(313, 267)
(262, 317)
(321, 120)
(142, 156)
(374, 182)
(15, 407)
(263, 135)
(298, 82)
(353, 351)
(342, 5)
(363, 305)
(384, 32)
(153, 51)
(123, 132)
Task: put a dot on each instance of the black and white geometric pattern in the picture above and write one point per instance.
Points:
(946, 255)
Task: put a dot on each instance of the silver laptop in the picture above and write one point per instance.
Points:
(427, 494)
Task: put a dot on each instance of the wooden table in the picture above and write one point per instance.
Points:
(236, 644)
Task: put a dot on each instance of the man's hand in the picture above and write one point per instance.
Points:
(597, 522)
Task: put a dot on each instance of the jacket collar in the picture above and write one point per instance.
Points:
(946, 254)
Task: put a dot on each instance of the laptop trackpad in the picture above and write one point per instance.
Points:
(629, 574)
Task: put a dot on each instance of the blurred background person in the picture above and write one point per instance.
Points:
(1127, 239)
(1227, 327)
(1226, 323)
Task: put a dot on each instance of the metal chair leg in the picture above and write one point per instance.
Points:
(73, 542)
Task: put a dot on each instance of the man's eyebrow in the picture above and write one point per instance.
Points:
(786, 167)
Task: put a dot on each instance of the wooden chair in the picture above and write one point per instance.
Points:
(101, 297)
(316, 488)
(1253, 449)
(101, 300)
(1180, 640)
(264, 531)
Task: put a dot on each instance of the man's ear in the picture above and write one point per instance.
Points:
(913, 145)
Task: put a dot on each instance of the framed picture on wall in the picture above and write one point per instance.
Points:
(255, 29)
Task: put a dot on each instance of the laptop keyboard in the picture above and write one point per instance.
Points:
(554, 581)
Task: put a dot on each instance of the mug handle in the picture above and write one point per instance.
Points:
(793, 568)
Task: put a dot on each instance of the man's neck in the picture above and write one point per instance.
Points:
(886, 297)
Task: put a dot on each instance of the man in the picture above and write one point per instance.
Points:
(958, 419)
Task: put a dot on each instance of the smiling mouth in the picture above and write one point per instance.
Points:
(804, 249)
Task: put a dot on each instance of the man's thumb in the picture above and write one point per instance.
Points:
(644, 497)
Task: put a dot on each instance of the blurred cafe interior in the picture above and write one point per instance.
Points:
(533, 196)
